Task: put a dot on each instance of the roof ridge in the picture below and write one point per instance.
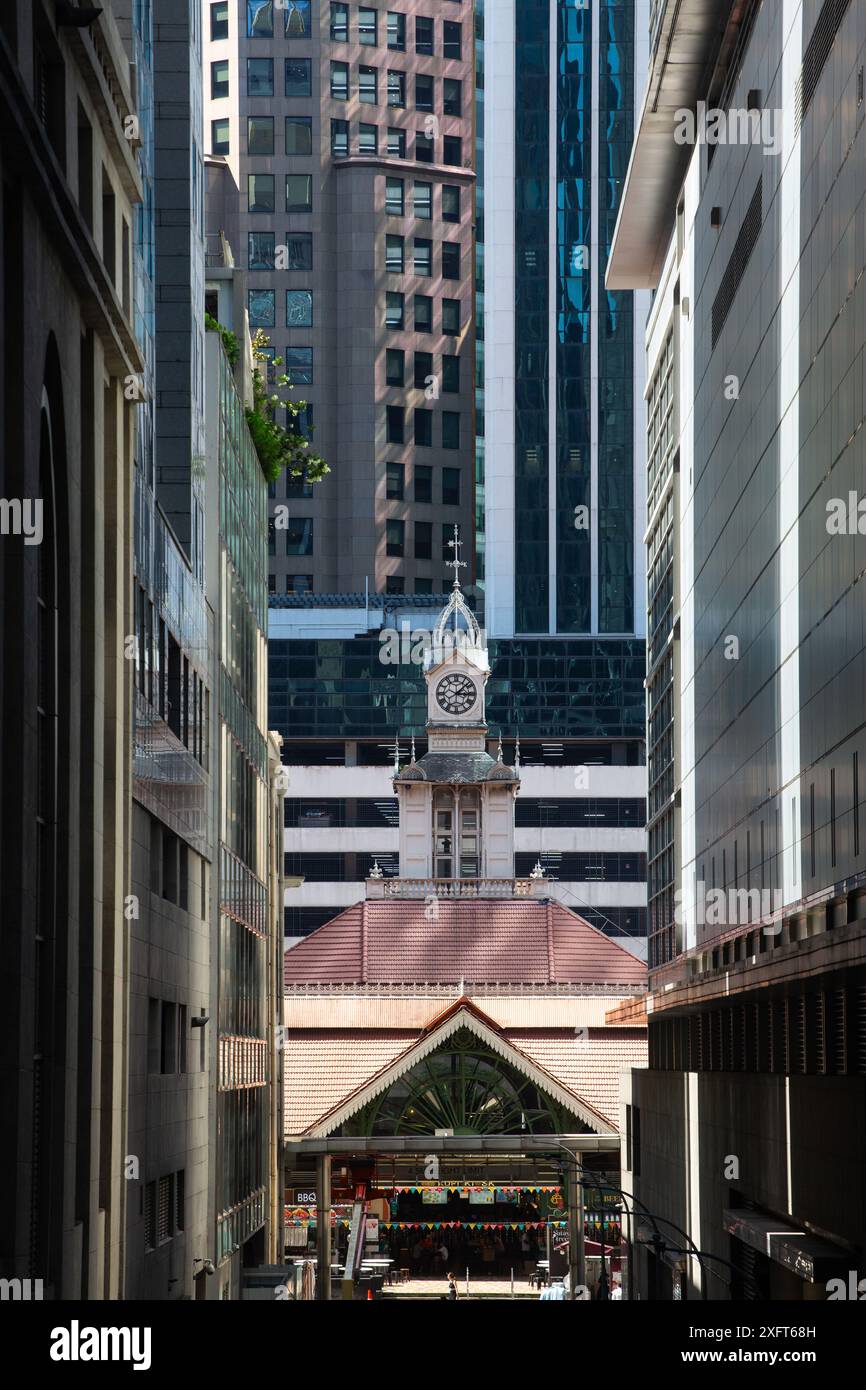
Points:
(611, 941)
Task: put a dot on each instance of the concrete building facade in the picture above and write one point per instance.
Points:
(350, 132)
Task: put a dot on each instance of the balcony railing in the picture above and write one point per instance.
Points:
(454, 888)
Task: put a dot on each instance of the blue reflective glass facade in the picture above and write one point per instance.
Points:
(615, 329)
(573, 319)
(531, 152)
(538, 688)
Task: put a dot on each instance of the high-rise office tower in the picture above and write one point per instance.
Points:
(169, 1198)
(68, 349)
(350, 133)
(747, 218)
(561, 448)
(201, 1057)
(563, 371)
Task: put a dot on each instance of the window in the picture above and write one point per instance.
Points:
(394, 480)
(450, 202)
(394, 366)
(451, 44)
(393, 309)
(450, 372)
(219, 137)
(299, 536)
(450, 260)
(450, 315)
(260, 135)
(299, 309)
(424, 148)
(340, 23)
(394, 424)
(299, 135)
(219, 21)
(423, 540)
(260, 250)
(452, 149)
(394, 537)
(299, 20)
(394, 254)
(299, 192)
(299, 251)
(299, 583)
(260, 19)
(396, 88)
(452, 96)
(424, 428)
(368, 139)
(423, 202)
(340, 81)
(423, 313)
(297, 486)
(367, 88)
(260, 192)
(451, 440)
(299, 81)
(397, 31)
(394, 197)
(396, 143)
(367, 27)
(423, 586)
(423, 369)
(304, 422)
(395, 584)
(339, 138)
(423, 34)
(260, 77)
(423, 482)
(150, 1216)
(451, 482)
(423, 92)
(423, 256)
(219, 80)
(298, 363)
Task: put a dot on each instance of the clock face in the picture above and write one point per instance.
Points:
(456, 694)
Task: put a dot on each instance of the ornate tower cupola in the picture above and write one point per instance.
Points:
(456, 802)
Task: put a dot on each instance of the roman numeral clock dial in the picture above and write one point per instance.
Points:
(455, 694)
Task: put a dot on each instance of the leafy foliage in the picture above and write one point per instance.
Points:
(280, 448)
(230, 341)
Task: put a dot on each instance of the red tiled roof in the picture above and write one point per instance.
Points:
(322, 1068)
(479, 940)
(590, 1066)
(326, 1067)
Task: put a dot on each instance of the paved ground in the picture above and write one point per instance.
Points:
(478, 1288)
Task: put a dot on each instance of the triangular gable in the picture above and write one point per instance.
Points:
(462, 1014)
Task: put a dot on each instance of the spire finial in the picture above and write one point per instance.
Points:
(456, 564)
(517, 752)
(396, 754)
(413, 748)
(499, 748)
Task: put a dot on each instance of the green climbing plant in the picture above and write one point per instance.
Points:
(281, 448)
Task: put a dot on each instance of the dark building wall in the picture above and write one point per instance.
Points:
(66, 349)
(748, 1121)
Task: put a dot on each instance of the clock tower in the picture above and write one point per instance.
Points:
(456, 802)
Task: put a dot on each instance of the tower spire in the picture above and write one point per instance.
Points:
(456, 564)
